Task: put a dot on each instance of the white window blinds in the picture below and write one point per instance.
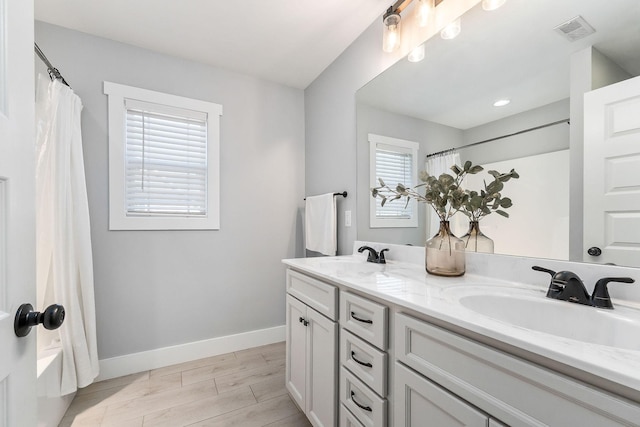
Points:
(394, 165)
(165, 160)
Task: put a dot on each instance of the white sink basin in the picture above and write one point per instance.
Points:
(530, 309)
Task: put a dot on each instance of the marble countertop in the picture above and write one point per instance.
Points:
(408, 285)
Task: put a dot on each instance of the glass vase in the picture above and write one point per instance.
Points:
(444, 253)
(476, 241)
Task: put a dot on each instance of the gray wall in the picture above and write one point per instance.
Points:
(330, 124)
(161, 288)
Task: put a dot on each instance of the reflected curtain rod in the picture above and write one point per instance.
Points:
(567, 121)
(53, 71)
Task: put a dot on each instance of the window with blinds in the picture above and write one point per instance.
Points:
(395, 162)
(166, 161)
(394, 167)
(164, 171)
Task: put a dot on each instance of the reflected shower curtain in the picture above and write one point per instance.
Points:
(436, 165)
(63, 249)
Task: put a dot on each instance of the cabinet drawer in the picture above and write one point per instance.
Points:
(515, 391)
(365, 361)
(417, 399)
(369, 408)
(364, 318)
(316, 294)
(347, 419)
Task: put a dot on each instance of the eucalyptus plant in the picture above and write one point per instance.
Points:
(443, 193)
(477, 205)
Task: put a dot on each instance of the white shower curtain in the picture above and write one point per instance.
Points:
(63, 248)
(436, 165)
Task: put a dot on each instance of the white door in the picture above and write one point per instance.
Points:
(612, 173)
(17, 212)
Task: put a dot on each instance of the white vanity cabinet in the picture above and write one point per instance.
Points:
(363, 356)
(439, 373)
(403, 356)
(311, 347)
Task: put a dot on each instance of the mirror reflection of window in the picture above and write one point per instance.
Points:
(395, 162)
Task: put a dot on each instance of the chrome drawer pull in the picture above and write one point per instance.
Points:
(361, 320)
(353, 356)
(366, 408)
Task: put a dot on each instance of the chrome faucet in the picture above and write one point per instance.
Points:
(374, 256)
(567, 286)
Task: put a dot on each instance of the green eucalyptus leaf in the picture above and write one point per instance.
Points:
(381, 182)
(476, 169)
(467, 166)
(503, 213)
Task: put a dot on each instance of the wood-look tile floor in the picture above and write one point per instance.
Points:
(245, 389)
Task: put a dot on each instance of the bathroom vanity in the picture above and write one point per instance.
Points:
(389, 345)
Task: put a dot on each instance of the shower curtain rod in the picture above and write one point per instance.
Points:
(499, 137)
(53, 71)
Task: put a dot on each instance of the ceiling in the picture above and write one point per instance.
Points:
(513, 53)
(285, 41)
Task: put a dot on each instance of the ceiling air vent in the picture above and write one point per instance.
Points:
(575, 29)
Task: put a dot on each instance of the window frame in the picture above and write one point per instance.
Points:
(403, 146)
(118, 218)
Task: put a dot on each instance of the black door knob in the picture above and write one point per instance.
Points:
(594, 251)
(51, 318)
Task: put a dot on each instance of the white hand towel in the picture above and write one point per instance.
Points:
(320, 224)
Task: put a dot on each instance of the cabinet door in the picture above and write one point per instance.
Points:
(322, 372)
(296, 355)
(419, 402)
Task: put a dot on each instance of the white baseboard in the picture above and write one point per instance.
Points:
(161, 357)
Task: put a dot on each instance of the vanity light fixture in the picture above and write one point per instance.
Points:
(391, 30)
(501, 102)
(452, 30)
(492, 4)
(417, 54)
(424, 10)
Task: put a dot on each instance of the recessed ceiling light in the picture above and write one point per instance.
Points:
(501, 102)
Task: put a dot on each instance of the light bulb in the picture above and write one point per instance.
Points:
(417, 54)
(492, 4)
(452, 30)
(423, 12)
(501, 102)
(391, 32)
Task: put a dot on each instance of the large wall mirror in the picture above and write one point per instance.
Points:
(446, 102)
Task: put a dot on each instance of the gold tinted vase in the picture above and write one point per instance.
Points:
(444, 253)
